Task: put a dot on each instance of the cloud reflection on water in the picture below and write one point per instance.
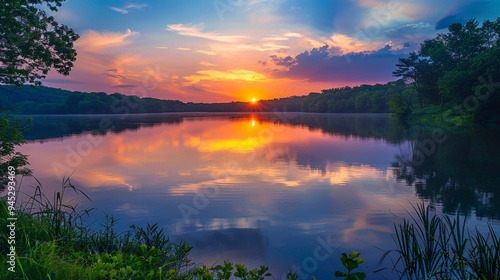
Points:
(282, 189)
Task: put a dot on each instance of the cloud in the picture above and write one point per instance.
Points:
(120, 10)
(286, 61)
(348, 44)
(196, 30)
(448, 20)
(275, 38)
(162, 47)
(95, 41)
(125, 10)
(116, 76)
(211, 53)
(263, 47)
(124, 86)
(409, 29)
(294, 35)
(318, 65)
(183, 49)
(62, 81)
(208, 64)
(231, 75)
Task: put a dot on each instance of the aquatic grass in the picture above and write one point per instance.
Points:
(431, 246)
(418, 244)
(485, 255)
(62, 216)
(456, 243)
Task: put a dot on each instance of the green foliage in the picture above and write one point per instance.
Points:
(361, 99)
(32, 42)
(147, 264)
(226, 271)
(460, 67)
(399, 108)
(351, 262)
(10, 137)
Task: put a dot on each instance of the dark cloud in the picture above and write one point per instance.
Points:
(318, 65)
(116, 76)
(448, 20)
(287, 61)
(124, 86)
(62, 81)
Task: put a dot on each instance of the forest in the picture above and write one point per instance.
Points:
(45, 100)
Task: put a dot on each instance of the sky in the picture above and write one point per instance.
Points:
(236, 50)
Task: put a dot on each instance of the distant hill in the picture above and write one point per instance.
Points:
(45, 100)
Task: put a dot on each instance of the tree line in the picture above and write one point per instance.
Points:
(45, 100)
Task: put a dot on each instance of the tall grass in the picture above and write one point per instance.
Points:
(431, 246)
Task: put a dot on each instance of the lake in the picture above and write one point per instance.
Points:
(286, 190)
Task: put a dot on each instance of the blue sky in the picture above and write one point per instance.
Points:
(224, 50)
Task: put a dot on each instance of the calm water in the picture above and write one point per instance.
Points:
(284, 190)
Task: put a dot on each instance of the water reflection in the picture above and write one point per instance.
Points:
(460, 173)
(260, 188)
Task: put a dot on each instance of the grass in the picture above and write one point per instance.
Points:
(441, 117)
(431, 246)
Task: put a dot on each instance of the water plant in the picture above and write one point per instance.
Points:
(432, 246)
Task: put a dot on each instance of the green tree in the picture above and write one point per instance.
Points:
(11, 136)
(32, 43)
(453, 67)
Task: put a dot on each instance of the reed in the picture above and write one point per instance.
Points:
(432, 246)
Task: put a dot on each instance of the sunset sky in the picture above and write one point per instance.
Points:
(236, 50)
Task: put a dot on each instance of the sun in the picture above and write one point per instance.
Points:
(254, 100)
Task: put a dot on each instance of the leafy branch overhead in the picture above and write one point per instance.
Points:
(32, 42)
